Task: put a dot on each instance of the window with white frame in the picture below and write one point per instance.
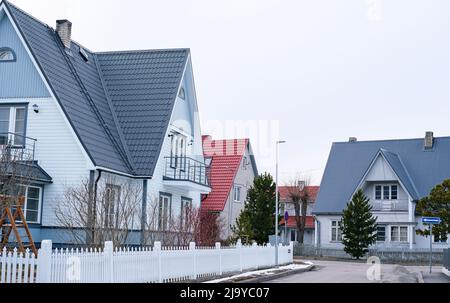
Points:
(399, 233)
(439, 240)
(112, 196)
(164, 212)
(186, 212)
(237, 193)
(386, 192)
(178, 151)
(7, 55)
(293, 235)
(336, 232)
(12, 125)
(381, 233)
(32, 204)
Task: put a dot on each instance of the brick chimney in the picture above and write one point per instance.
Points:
(64, 31)
(429, 140)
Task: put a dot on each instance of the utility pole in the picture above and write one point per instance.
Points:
(276, 203)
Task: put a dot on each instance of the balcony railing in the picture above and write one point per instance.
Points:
(186, 169)
(390, 205)
(16, 147)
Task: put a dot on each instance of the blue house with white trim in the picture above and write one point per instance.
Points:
(394, 175)
(128, 116)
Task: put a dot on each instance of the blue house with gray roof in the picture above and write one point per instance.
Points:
(394, 174)
(108, 118)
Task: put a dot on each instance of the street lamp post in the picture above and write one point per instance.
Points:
(276, 203)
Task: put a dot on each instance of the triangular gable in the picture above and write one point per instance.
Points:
(388, 166)
(19, 78)
(227, 157)
(143, 86)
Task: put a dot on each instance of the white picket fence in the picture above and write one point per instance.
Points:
(17, 267)
(137, 265)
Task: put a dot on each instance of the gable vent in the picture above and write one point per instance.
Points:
(64, 31)
(429, 140)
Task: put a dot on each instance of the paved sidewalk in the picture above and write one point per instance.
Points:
(435, 277)
(353, 272)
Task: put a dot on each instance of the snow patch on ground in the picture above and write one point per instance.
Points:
(265, 272)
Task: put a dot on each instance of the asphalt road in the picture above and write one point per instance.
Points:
(349, 272)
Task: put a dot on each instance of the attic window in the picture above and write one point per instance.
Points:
(182, 94)
(7, 55)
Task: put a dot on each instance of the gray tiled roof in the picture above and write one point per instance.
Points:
(28, 169)
(419, 170)
(118, 103)
(142, 87)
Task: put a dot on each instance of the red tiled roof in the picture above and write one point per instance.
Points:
(292, 222)
(286, 190)
(226, 159)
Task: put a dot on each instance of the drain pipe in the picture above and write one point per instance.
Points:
(94, 206)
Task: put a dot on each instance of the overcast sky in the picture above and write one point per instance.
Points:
(309, 72)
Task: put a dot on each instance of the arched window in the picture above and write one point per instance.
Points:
(7, 55)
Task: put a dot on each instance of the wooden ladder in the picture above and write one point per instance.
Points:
(11, 220)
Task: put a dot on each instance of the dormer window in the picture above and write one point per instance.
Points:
(182, 94)
(7, 55)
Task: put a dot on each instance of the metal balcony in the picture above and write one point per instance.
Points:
(185, 171)
(16, 147)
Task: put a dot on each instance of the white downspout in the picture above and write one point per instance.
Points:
(411, 213)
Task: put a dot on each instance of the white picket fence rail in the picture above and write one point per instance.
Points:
(136, 265)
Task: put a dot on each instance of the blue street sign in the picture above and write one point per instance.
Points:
(431, 220)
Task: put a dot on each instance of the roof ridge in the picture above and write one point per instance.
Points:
(143, 51)
(388, 140)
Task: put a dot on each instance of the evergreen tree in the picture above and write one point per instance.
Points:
(257, 219)
(358, 226)
(437, 204)
(242, 229)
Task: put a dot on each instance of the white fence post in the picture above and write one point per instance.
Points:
(157, 248)
(194, 259)
(44, 268)
(108, 253)
(239, 248)
(291, 247)
(218, 247)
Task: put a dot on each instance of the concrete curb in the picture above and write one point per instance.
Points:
(277, 276)
(445, 271)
